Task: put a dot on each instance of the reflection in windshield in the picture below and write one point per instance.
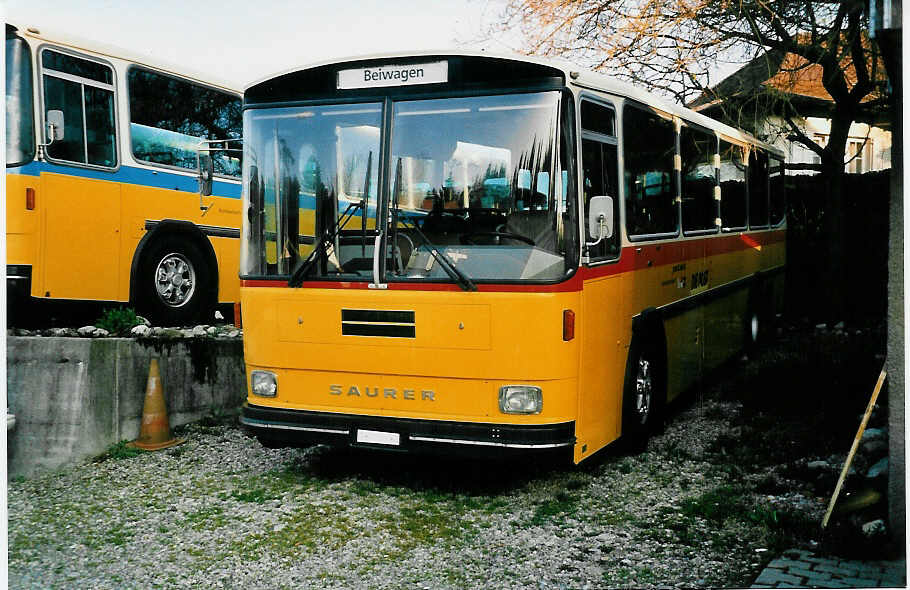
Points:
(469, 190)
(475, 178)
(303, 167)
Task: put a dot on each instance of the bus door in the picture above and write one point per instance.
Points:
(602, 355)
(81, 201)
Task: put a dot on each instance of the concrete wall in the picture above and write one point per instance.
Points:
(74, 397)
(897, 322)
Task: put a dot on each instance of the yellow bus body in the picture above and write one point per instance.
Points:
(493, 339)
(82, 234)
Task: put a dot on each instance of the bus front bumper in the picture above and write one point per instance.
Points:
(282, 427)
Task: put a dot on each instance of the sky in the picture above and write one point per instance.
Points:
(242, 41)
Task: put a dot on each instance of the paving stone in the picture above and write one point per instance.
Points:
(837, 569)
(860, 582)
(798, 571)
(784, 563)
(869, 572)
(776, 577)
(834, 584)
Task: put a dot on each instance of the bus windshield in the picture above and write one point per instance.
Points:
(20, 123)
(470, 186)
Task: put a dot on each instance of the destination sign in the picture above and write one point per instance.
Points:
(394, 75)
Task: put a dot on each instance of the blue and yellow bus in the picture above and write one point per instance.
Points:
(102, 200)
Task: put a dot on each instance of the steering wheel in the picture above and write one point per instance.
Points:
(467, 239)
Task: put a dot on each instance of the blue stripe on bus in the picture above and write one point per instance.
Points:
(132, 175)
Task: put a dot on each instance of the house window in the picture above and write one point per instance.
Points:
(859, 156)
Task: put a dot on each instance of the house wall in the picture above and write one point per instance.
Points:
(874, 142)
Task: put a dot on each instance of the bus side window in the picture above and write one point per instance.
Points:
(599, 164)
(699, 209)
(170, 116)
(776, 188)
(649, 142)
(84, 91)
(732, 187)
(758, 189)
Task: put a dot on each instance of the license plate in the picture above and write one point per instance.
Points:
(377, 437)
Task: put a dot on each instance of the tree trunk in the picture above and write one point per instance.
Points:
(835, 227)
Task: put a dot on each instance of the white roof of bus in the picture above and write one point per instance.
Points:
(574, 76)
(113, 52)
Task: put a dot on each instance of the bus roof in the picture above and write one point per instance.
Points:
(114, 52)
(574, 76)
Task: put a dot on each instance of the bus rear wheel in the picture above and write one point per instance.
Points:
(757, 323)
(175, 282)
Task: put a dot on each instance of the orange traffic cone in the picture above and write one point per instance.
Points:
(155, 432)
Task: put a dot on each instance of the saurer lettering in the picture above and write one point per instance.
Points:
(387, 392)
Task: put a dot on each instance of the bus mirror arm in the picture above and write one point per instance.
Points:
(54, 130)
(600, 219)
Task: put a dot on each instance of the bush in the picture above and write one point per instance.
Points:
(118, 321)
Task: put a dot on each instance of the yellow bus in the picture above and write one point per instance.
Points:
(461, 252)
(102, 202)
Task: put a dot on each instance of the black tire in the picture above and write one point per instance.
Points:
(644, 392)
(175, 283)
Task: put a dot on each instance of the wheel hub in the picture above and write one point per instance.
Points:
(644, 387)
(175, 279)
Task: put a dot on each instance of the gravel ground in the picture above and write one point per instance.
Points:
(220, 511)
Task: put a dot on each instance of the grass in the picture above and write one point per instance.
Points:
(118, 321)
(551, 508)
(379, 510)
(118, 451)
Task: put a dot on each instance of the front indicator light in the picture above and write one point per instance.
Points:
(568, 325)
(264, 383)
(520, 399)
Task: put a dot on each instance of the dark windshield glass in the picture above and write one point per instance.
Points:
(20, 115)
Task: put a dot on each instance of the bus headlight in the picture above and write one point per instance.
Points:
(264, 383)
(520, 399)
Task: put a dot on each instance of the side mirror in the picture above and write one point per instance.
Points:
(54, 121)
(600, 218)
(206, 173)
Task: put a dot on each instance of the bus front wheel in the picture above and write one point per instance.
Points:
(175, 282)
(644, 393)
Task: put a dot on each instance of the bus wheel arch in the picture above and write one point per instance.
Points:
(174, 274)
(645, 384)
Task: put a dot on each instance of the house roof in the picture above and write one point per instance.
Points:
(786, 72)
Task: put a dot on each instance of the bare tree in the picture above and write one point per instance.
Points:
(678, 48)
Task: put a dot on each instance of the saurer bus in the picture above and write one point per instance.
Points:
(102, 201)
(461, 252)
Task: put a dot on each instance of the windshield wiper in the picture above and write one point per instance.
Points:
(453, 271)
(329, 236)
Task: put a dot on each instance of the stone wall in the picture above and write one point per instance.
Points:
(74, 397)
